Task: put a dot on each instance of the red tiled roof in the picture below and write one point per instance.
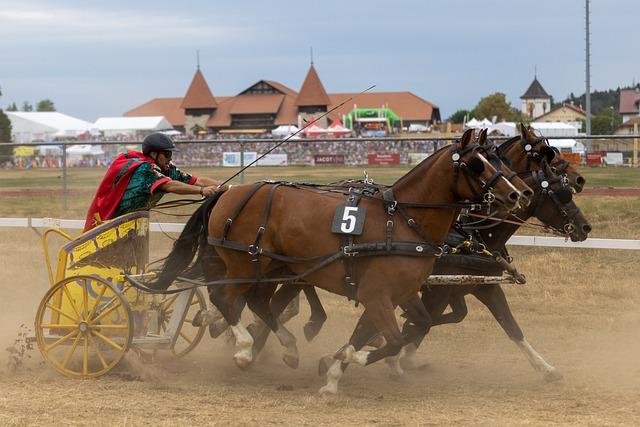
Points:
(167, 107)
(199, 95)
(629, 101)
(405, 104)
(256, 104)
(312, 92)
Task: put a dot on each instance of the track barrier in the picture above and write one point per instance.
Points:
(176, 227)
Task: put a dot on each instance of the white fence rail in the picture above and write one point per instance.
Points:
(174, 227)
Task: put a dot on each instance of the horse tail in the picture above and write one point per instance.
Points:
(190, 242)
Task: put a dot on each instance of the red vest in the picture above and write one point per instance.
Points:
(113, 186)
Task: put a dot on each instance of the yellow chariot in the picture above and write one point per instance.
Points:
(91, 316)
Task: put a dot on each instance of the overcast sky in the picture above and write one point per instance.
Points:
(102, 58)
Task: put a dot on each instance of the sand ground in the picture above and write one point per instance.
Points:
(585, 322)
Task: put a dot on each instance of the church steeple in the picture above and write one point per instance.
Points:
(312, 93)
(199, 104)
(199, 96)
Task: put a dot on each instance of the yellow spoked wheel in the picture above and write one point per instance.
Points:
(83, 326)
(189, 335)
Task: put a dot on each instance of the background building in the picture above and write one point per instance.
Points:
(267, 104)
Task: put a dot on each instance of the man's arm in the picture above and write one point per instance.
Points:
(178, 187)
(207, 182)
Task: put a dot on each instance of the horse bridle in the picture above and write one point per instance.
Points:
(470, 172)
(559, 166)
(546, 183)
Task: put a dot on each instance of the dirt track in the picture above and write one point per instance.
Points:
(472, 374)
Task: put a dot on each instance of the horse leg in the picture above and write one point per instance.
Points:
(318, 315)
(414, 329)
(458, 311)
(382, 315)
(435, 300)
(229, 300)
(494, 299)
(281, 300)
(335, 368)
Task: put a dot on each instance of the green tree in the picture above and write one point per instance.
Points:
(26, 106)
(5, 136)
(497, 105)
(605, 124)
(45, 105)
(458, 116)
(12, 107)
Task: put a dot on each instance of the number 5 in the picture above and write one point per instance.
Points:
(348, 220)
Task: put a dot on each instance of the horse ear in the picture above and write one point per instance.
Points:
(548, 153)
(482, 138)
(466, 138)
(524, 131)
(546, 168)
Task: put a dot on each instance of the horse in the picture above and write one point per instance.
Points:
(268, 232)
(552, 205)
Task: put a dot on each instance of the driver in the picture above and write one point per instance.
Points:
(137, 180)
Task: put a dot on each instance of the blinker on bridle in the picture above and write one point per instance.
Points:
(473, 168)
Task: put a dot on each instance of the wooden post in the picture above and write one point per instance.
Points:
(635, 145)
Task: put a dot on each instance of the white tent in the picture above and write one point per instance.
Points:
(111, 126)
(473, 123)
(284, 130)
(555, 129)
(505, 128)
(45, 126)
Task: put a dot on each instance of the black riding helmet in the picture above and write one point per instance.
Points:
(158, 142)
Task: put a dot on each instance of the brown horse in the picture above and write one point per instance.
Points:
(266, 232)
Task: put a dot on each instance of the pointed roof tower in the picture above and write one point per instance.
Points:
(312, 92)
(535, 91)
(198, 95)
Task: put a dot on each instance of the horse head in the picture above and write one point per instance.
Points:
(479, 178)
(527, 151)
(554, 204)
(490, 151)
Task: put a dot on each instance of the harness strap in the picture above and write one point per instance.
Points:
(239, 208)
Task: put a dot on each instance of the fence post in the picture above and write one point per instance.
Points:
(241, 162)
(635, 145)
(64, 178)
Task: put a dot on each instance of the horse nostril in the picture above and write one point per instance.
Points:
(580, 181)
(528, 193)
(586, 228)
(514, 195)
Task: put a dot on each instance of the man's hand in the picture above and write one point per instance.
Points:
(208, 191)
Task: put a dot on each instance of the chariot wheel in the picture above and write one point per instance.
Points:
(83, 326)
(189, 335)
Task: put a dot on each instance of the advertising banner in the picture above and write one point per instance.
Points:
(614, 159)
(595, 157)
(328, 159)
(232, 158)
(273, 160)
(384, 158)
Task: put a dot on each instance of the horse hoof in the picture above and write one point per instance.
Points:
(217, 328)
(328, 390)
(311, 330)
(242, 362)
(291, 361)
(344, 353)
(553, 376)
(324, 364)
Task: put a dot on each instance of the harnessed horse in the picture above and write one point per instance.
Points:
(269, 233)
